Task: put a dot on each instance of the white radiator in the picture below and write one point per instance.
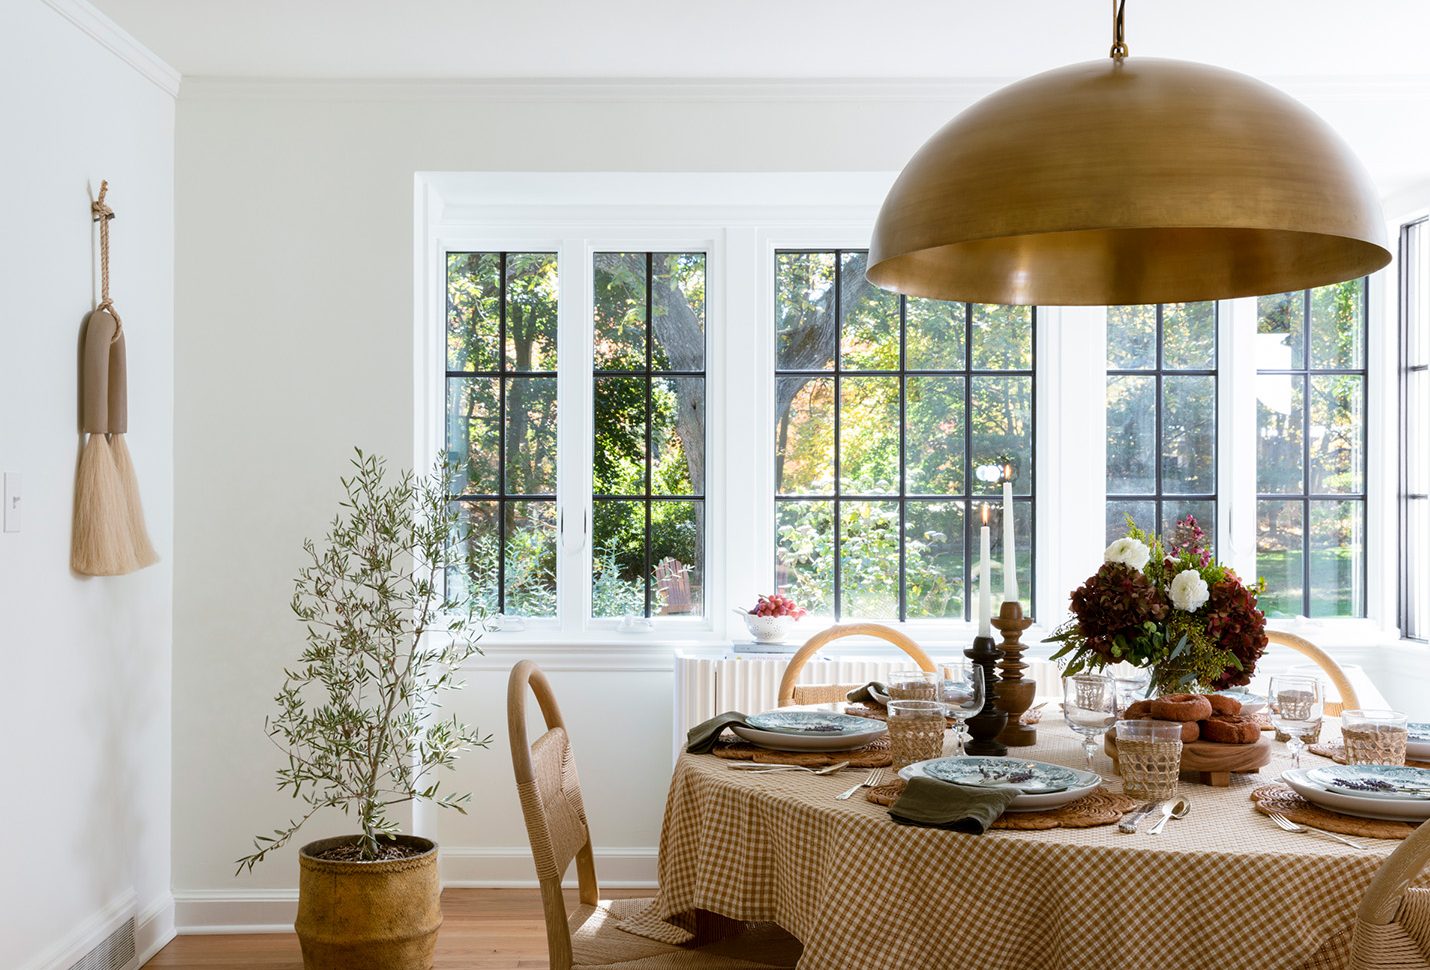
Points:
(708, 684)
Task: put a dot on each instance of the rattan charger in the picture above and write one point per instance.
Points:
(1279, 798)
(876, 754)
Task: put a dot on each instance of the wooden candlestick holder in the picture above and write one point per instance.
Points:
(1015, 694)
(985, 726)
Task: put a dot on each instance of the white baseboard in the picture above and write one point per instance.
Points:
(88, 934)
(153, 928)
(463, 867)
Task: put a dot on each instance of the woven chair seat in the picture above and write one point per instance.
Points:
(1401, 945)
(596, 941)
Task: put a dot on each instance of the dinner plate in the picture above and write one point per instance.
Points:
(784, 741)
(1417, 746)
(1414, 810)
(805, 723)
(1251, 703)
(1083, 783)
(1391, 782)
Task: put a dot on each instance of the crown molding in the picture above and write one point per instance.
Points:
(645, 90)
(119, 42)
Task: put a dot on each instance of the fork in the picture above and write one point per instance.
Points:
(1291, 826)
(876, 777)
(760, 769)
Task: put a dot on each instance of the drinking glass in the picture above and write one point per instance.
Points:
(1296, 704)
(1131, 686)
(911, 685)
(1149, 757)
(915, 732)
(1374, 737)
(959, 689)
(1089, 708)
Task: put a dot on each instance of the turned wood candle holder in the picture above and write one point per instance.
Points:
(1015, 694)
(985, 726)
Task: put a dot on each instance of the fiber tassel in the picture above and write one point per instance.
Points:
(144, 552)
(102, 544)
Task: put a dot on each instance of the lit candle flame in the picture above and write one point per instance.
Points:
(985, 513)
(1008, 472)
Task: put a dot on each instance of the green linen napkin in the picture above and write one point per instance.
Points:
(862, 694)
(701, 738)
(962, 808)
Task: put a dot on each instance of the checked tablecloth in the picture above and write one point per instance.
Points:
(1223, 888)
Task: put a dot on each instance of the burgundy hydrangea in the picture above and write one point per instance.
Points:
(1116, 599)
(1237, 625)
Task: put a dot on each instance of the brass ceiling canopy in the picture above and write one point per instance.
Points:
(1128, 181)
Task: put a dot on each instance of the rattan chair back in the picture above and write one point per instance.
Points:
(824, 693)
(1392, 927)
(1349, 701)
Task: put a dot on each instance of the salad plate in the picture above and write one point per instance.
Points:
(809, 731)
(1041, 785)
(1417, 746)
(1251, 703)
(1393, 810)
(1391, 782)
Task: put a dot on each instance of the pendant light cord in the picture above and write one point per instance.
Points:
(1119, 40)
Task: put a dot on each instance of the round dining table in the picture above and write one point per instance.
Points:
(1222, 888)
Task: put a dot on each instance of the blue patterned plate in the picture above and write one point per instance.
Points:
(1029, 777)
(1417, 746)
(823, 723)
(1374, 781)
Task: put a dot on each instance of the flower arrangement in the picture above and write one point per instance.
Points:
(777, 605)
(1164, 604)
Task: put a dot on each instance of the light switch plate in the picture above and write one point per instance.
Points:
(12, 501)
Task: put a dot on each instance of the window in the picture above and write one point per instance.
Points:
(1310, 462)
(648, 461)
(501, 423)
(896, 420)
(1161, 416)
(1415, 441)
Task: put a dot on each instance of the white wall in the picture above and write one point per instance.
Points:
(295, 227)
(84, 706)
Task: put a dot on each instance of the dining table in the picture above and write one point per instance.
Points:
(1223, 887)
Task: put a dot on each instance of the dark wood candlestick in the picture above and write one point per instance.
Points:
(985, 726)
(1015, 694)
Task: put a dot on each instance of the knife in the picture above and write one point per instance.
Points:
(1130, 822)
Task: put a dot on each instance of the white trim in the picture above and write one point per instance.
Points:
(86, 935)
(203, 911)
(119, 42)
(153, 928)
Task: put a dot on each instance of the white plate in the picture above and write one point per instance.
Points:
(1250, 703)
(777, 741)
(1028, 803)
(1417, 746)
(1381, 808)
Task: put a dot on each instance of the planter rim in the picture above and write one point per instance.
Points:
(308, 860)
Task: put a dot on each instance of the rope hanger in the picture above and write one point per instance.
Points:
(102, 215)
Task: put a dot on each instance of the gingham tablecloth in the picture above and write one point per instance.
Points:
(1223, 888)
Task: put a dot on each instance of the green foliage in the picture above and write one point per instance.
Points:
(357, 714)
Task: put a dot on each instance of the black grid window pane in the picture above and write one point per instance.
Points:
(501, 407)
(1161, 416)
(1414, 452)
(648, 471)
(1310, 469)
(896, 420)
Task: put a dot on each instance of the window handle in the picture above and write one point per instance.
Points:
(576, 542)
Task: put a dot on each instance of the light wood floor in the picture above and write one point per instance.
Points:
(482, 929)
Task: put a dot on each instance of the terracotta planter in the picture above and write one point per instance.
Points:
(368, 915)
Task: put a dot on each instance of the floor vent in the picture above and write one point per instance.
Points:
(115, 953)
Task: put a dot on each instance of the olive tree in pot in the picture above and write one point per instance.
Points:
(357, 716)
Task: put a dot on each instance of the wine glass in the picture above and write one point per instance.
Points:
(1090, 708)
(1296, 704)
(1131, 686)
(959, 688)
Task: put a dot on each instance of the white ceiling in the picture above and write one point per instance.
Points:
(765, 38)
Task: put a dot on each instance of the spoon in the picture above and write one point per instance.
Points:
(1177, 809)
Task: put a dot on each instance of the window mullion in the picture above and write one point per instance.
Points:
(576, 432)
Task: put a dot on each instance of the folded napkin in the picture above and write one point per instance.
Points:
(962, 808)
(701, 738)
(863, 694)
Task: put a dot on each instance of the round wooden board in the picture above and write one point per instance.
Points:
(1209, 757)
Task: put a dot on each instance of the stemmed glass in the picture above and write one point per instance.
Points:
(1296, 704)
(959, 688)
(1090, 708)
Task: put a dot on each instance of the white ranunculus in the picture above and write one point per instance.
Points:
(1188, 590)
(1129, 552)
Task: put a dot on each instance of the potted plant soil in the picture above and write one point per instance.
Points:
(357, 717)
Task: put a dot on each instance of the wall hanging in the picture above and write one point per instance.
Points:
(110, 538)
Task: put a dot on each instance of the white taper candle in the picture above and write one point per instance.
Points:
(1010, 551)
(985, 590)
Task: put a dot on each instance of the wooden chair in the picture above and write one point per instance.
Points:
(550, 795)
(1392, 927)
(791, 693)
(1349, 701)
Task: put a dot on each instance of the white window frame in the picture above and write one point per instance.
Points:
(741, 220)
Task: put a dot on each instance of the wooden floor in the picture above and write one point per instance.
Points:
(482, 929)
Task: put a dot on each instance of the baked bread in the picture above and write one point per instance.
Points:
(1230, 729)
(1182, 707)
(1137, 710)
(1222, 704)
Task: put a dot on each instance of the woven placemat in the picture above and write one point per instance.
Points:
(1101, 807)
(875, 754)
(1336, 751)
(1280, 798)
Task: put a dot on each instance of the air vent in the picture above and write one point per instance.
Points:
(115, 953)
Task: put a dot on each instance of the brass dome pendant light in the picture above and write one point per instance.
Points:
(1127, 181)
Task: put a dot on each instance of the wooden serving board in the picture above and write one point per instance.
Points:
(1207, 762)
